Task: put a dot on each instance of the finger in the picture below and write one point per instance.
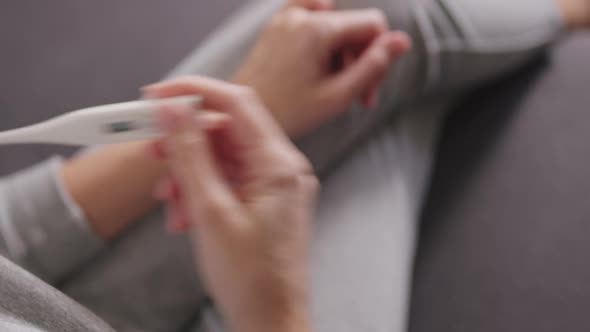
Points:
(215, 92)
(240, 103)
(372, 66)
(193, 164)
(210, 122)
(354, 27)
(311, 4)
(177, 219)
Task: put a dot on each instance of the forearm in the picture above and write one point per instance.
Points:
(113, 186)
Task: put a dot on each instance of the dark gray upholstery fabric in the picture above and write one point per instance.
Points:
(57, 56)
(506, 232)
(507, 225)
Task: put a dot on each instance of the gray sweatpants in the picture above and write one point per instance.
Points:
(375, 167)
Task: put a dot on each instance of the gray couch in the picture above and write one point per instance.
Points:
(505, 236)
(506, 227)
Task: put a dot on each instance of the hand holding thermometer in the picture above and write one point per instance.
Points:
(108, 124)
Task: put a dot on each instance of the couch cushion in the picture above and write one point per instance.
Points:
(506, 231)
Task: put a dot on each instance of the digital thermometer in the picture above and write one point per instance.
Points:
(108, 124)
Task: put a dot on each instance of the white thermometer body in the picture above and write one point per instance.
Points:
(108, 124)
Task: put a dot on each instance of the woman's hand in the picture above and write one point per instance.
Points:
(309, 65)
(249, 196)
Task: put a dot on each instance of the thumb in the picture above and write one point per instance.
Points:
(372, 66)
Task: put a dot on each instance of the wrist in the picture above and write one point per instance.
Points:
(274, 306)
(272, 104)
(90, 179)
(293, 319)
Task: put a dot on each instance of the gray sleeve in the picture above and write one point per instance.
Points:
(41, 227)
(28, 304)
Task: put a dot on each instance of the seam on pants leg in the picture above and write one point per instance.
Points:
(535, 36)
(431, 45)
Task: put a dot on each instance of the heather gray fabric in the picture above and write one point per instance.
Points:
(42, 230)
(27, 304)
(369, 207)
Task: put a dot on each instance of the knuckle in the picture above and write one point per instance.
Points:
(303, 25)
(292, 159)
(295, 182)
(311, 184)
(301, 165)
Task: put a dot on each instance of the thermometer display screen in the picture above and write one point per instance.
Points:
(121, 127)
